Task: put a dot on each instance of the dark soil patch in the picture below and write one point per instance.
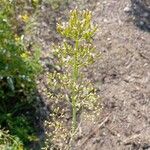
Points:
(141, 11)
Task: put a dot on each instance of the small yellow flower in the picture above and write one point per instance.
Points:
(17, 38)
(25, 55)
(25, 17)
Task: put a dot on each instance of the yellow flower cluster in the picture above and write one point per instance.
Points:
(25, 17)
(25, 55)
(17, 38)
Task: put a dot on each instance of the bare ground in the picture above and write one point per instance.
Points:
(122, 75)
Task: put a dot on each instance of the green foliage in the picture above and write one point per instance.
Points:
(15, 60)
(79, 27)
(57, 4)
(19, 69)
(9, 142)
(19, 12)
(19, 126)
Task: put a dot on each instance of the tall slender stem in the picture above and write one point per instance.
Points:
(75, 79)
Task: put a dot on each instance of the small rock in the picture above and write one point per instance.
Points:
(141, 23)
(105, 20)
(127, 9)
(146, 14)
(108, 39)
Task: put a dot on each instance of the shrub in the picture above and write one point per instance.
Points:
(19, 69)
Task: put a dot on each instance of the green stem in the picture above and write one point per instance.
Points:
(75, 79)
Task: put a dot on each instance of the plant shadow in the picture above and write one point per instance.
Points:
(141, 13)
(23, 118)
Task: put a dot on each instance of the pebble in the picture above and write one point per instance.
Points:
(127, 9)
(105, 20)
